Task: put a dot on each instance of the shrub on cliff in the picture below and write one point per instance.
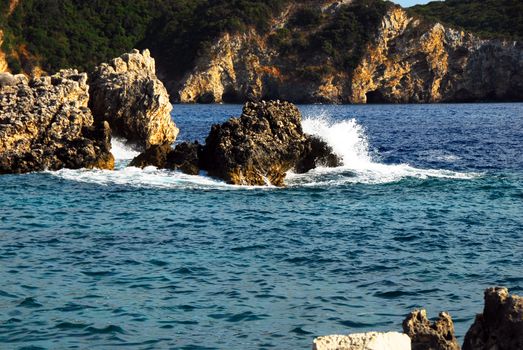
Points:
(488, 18)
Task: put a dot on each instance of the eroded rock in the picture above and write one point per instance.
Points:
(430, 336)
(363, 341)
(45, 124)
(127, 93)
(258, 147)
(185, 157)
(500, 326)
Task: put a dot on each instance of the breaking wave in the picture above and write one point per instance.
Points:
(347, 139)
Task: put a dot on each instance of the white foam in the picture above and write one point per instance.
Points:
(347, 138)
(150, 177)
(121, 150)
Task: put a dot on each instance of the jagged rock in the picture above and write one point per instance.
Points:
(127, 93)
(184, 157)
(363, 341)
(317, 153)
(45, 124)
(430, 336)
(500, 327)
(257, 148)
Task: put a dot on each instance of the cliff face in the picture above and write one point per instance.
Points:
(412, 61)
(245, 67)
(408, 60)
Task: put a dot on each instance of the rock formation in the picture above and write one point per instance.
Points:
(45, 124)
(409, 60)
(413, 61)
(185, 157)
(430, 336)
(500, 326)
(257, 148)
(364, 341)
(127, 93)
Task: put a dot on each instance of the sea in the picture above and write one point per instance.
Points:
(426, 212)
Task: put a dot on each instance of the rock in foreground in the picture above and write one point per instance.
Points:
(430, 336)
(45, 125)
(500, 326)
(363, 341)
(127, 93)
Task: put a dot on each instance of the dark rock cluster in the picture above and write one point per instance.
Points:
(500, 326)
(258, 148)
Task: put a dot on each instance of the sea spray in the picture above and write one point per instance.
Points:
(122, 151)
(347, 139)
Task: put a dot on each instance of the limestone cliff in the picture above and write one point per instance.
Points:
(413, 61)
(408, 60)
(244, 67)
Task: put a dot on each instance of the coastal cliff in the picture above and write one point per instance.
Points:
(314, 51)
(408, 60)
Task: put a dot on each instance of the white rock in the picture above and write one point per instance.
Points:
(363, 341)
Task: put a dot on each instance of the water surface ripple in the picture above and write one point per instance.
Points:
(427, 212)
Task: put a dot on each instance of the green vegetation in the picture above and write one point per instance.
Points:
(488, 18)
(79, 33)
(328, 42)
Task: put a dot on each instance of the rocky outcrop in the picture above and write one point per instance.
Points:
(501, 324)
(414, 61)
(364, 341)
(128, 94)
(257, 148)
(185, 157)
(430, 336)
(45, 124)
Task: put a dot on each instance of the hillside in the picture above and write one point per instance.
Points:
(487, 18)
(304, 51)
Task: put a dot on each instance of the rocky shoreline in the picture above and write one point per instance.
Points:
(66, 121)
(499, 327)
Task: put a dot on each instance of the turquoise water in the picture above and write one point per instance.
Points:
(427, 211)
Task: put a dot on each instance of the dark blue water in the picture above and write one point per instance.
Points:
(427, 211)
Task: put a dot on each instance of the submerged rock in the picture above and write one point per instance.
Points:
(430, 336)
(363, 341)
(500, 326)
(45, 124)
(260, 146)
(128, 94)
(184, 157)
